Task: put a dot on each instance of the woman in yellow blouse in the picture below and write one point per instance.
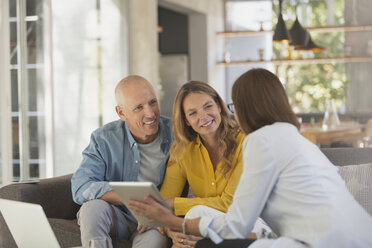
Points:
(206, 152)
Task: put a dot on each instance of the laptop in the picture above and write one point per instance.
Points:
(28, 224)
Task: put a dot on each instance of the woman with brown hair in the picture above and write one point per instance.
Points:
(206, 152)
(300, 195)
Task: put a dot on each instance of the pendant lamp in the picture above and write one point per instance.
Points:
(281, 33)
(310, 46)
(299, 35)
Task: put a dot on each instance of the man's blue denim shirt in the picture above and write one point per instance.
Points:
(112, 155)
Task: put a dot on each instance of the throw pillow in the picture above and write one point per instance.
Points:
(359, 183)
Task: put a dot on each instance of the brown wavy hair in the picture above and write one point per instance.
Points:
(184, 134)
(260, 99)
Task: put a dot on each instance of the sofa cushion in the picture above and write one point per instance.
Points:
(66, 231)
(359, 183)
(6, 238)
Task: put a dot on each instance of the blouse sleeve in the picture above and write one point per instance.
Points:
(259, 176)
(174, 180)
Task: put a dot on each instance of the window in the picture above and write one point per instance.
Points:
(28, 83)
(340, 72)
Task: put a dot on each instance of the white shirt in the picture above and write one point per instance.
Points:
(290, 183)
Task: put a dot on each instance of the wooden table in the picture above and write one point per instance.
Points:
(319, 136)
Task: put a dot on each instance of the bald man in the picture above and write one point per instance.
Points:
(134, 148)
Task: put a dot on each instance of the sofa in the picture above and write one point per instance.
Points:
(54, 194)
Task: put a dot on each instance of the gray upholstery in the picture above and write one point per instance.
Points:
(348, 156)
(67, 231)
(54, 195)
(358, 181)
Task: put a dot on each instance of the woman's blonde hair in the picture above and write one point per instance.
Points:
(184, 134)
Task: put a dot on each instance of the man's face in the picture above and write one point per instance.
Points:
(140, 110)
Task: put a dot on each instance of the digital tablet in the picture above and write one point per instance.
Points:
(138, 191)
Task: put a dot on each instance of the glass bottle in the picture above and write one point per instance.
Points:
(330, 119)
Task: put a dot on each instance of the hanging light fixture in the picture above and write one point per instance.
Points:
(299, 36)
(310, 46)
(281, 33)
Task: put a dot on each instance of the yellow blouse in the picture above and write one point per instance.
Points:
(211, 188)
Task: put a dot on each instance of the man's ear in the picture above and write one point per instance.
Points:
(120, 113)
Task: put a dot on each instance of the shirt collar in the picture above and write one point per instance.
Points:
(198, 141)
(129, 134)
(165, 137)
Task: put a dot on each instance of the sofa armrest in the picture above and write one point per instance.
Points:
(53, 194)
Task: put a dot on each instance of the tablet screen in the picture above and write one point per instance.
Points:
(137, 191)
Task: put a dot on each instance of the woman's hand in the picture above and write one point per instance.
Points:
(142, 229)
(181, 240)
(151, 209)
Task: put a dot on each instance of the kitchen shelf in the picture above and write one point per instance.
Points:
(299, 61)
(312, 29)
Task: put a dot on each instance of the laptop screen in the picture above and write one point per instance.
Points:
(28, 224)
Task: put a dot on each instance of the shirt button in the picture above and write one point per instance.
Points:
(136, 161)
(135, 144)
(212, 183)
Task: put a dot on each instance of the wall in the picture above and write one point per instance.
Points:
(5, 99)
(173, 71)
(143, 40)
(246, 48)
(241, 15)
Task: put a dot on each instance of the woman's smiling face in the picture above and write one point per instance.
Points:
(202, 113)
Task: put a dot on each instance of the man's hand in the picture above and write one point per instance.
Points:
(181, 240)
(112, 198)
